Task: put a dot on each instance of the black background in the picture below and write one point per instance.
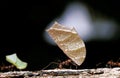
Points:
(22, 24)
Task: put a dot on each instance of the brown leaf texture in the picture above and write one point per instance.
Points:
(69, 42)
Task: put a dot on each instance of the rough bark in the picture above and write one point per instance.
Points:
(65, 73)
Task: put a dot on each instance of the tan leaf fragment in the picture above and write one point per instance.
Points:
(69, 42)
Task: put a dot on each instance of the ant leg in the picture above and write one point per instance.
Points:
(76, 66)
(118, 59)
(49, 65)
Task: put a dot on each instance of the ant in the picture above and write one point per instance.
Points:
(6, 68)
(62, 64)
(111, 63)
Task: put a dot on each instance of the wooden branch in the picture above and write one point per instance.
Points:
(65, 73)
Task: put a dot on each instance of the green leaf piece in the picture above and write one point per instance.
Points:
(13, 59)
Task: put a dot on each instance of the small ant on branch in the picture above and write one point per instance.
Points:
(111, 63)
(62, 64)
(7, 68)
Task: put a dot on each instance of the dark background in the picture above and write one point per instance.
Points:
(22, 24)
